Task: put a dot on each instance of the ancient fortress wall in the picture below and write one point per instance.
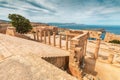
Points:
(111, 36)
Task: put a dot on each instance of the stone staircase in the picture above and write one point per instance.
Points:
(19, 52)
(76, 52)
(76, 47)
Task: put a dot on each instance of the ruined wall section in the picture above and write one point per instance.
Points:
(111, 36)
(95, 34)
(78, 51)
(10, 31)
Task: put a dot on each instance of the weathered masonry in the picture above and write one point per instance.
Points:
(75, 43)
(72, 43)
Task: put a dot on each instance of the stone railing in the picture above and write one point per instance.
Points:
(53, 38)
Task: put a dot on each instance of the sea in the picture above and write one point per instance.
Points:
(108, 28)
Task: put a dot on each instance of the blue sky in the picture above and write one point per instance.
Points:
(100, 12)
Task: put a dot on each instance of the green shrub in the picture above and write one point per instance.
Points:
(115, 41)
(21, 24)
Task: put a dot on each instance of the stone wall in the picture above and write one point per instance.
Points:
(111, 36)
(60, 62)
(10, 31)
(3, 29)
(95, 34)
(45, 28)
(78, 51)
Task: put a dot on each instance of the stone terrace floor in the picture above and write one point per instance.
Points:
(16, 46)
(22, 60)
(105, 48)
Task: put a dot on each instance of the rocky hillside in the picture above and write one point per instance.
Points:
(4, 23)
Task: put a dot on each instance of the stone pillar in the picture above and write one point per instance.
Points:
(41, 36)
(110, 58)
(60, 41)
(54, 41)
(85, 46)
(37, 35)
(97, 49)
(66, 42)
(34, 35)
(49, 39)
(45, 37)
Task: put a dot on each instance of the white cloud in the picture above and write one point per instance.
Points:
(46, 3)
(62, 10)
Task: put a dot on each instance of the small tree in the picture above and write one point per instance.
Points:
(21, 24)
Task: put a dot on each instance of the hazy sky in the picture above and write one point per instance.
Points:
(66, 11)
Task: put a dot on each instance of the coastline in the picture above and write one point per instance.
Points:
(112, 29)
(103, 29)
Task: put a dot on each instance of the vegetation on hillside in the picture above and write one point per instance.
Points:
(115, 41)
(21, 24)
